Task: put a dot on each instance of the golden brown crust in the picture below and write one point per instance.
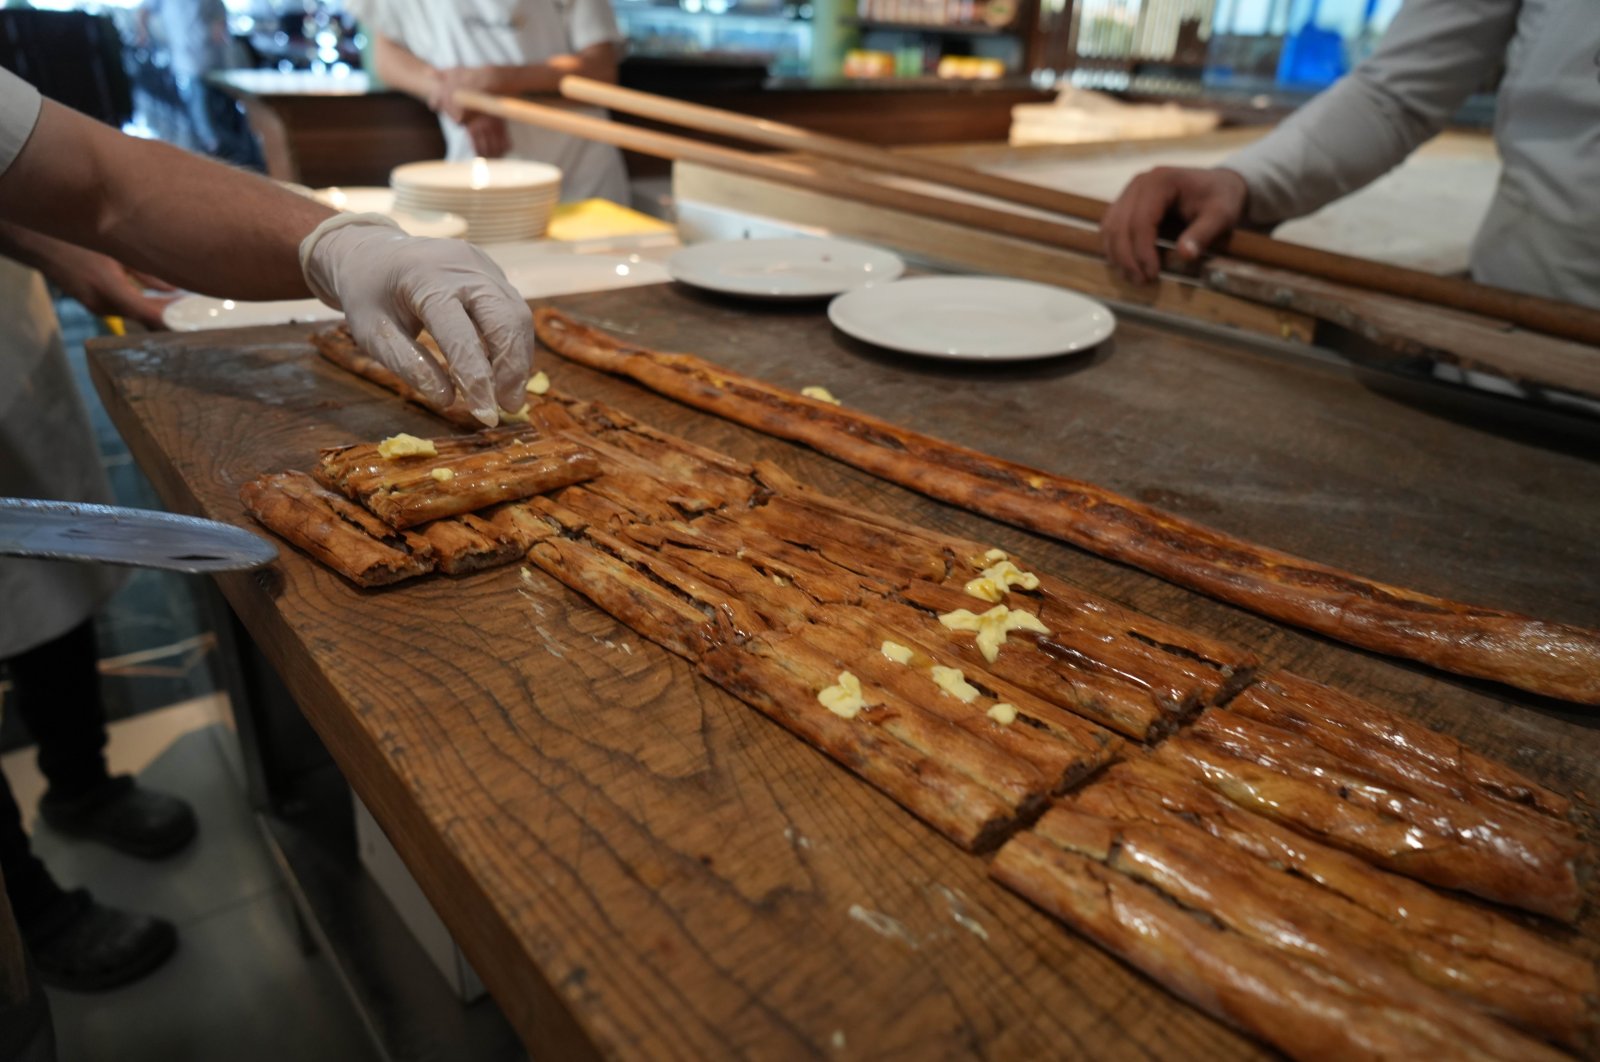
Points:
(1553, 659)
(1459, 948)
(337, 345)
(483, 470)
(1254, 947)
(1388, 744)
(469, 544)
(341, 535)
(1499, 852)
(962, 809)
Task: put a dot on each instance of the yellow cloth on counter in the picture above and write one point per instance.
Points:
(598, 219)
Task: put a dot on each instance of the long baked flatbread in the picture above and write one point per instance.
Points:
(1552, 659)
(339, 346)
(1247, 942)
(460, 475)
(1263, 854)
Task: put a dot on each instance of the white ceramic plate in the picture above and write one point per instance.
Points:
(786, 268)
(438, 224)
(537, 275)
(534, 272)
(972, 318)
(484, 176)
(195, 313)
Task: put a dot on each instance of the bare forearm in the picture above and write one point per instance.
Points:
(163, 211)
(399, 68)
(598, 62)
(31, 248)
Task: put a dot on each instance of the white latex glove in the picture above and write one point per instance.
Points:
(391, 286)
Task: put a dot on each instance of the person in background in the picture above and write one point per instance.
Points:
(1542, 231)
(509, 48)
(77, 197)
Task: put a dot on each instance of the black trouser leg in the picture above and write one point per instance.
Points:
(29, 885)
(56, 687)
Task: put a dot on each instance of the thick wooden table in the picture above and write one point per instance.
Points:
(639, 865)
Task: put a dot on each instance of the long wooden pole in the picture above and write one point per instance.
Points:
(783, 171)
(1557, 318)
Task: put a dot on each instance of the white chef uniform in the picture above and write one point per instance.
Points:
(47, 449)
(448, 33)
(1542, 232)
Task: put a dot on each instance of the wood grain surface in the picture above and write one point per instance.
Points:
(640, 866)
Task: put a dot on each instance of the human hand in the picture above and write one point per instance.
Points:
(391, 286)
(490, 137)
(1211, 203)
(105, 288)
(449, 79)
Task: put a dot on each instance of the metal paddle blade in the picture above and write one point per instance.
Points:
(140, 538)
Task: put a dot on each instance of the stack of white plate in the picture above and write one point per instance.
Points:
(501, 199)
(381, 201)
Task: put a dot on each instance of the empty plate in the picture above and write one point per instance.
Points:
(973, 318)
(196, 313)
(532, 269)
(787, 268)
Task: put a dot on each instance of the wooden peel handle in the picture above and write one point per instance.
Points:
(1568, 320)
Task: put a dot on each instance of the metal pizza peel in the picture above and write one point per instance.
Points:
(140, 538)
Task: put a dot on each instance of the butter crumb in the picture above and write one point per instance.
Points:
(443, 475)
(993, 626)
(994, 556)
(1002, 713)
(845, 699)
(954, 682)
(404, 445)
(897, 652)
(538, 383)
(997, 581)
(820, 394)
(985, 589)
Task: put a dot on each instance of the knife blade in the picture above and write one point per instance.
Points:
(140, 538)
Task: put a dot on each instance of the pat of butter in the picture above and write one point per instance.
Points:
(985, 589)
(995, 555)
(1002, 713)
(953, 682)
(997, 581)
(845, 699)
(538, 383)
(820, 394)
(443, 475)
(897, 652)
(404, 445)
(993, 626)
(519, 417)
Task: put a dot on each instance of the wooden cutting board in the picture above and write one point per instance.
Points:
(639, 865)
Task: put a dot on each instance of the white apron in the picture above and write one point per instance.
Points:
(47, 450)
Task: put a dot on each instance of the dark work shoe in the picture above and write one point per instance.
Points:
(83, 946)
(138, 821)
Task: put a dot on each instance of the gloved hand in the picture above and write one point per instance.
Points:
(391, 286)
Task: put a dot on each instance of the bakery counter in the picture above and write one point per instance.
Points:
(321, 130)
(641, 866)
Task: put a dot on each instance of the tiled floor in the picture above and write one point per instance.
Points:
(240, 986)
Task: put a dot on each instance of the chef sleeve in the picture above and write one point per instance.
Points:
(591, 22)
(375, 16)
(1435, 53)
(19, 112)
